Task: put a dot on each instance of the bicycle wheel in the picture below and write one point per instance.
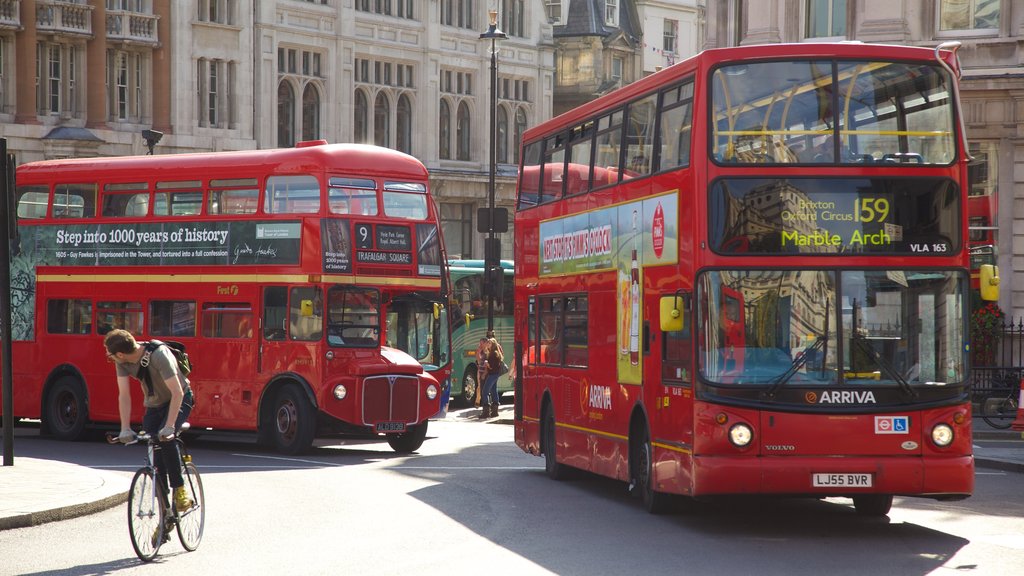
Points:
(145, 515)
(1000, 411)
(191, 521)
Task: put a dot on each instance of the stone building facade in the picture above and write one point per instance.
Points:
(992, 87)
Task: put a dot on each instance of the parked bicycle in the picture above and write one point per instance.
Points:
(999, 405)
(151, 516)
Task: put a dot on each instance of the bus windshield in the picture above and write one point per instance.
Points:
(412, 328)
(774, 328)
(353, 316)
(827, 112)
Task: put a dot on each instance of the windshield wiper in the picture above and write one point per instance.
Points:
(886, 367)
(798, 362)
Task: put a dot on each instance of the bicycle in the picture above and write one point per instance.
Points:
(999, 406)
(151, 515)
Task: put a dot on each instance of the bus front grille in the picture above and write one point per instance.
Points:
(390, 399)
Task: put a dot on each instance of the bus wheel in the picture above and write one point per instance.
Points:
(66, 411)
(641, 459)
(410, 440)
(293, 421)
(873, 504)
(469, 384)
(554, 469)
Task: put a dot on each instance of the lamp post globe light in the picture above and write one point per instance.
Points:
(492, 257)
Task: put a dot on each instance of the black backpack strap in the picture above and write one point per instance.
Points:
(143, 374)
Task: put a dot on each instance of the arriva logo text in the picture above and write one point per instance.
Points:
(847, 397)
(601, 397)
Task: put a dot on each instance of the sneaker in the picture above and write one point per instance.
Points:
(160, 536)
(181, 500)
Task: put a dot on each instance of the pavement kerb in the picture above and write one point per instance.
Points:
(62, 512)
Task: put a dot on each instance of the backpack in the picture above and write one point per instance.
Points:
(177, 350)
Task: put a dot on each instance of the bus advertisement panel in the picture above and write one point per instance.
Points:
(469, 325)
(308, 285)
(748, 273)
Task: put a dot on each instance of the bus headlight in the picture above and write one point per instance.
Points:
(942, 435)
(340, 392)
(431, 392)
(740, 435)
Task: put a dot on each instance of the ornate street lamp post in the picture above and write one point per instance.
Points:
(491, 260)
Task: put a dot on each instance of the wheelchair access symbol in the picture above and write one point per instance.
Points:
(892, 424)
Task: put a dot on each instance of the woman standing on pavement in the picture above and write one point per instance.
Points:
(495, 360)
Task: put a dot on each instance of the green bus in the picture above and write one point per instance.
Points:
(469, 324)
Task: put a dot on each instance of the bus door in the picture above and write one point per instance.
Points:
(669, 372)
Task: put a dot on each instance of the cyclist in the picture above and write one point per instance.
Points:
(167, 398)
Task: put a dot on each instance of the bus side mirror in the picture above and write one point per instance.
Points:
(673, 313)
(306, 308)
(988, 282)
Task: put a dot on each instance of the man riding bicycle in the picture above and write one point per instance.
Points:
(167, 398)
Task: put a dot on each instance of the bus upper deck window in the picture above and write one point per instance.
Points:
(32, 201)
(292, 195)
(74, 201)
(352, 196)
(125, 200)
(405, 200)
(241, 197)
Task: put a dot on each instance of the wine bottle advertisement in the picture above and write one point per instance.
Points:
(623, 240)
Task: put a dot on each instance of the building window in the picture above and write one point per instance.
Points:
(56, 83)
(4, 74)
(457, 227)
(310, 113)
(400, 8)
(285, 115)
(463, 132)
(215, 79)
(826, 18)
(553, 8)
(403, 132)
(458, 13)
(126, 76)
(444, 141)
(382, 121)
(513, 18)
(301, 70)
(611, 12)
(217, 11)
(968, 15)
(517, 140)
(668, 43)
(359, 122)
(501, 150)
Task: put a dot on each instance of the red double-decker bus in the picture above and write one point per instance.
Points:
(308, 284)
(748, 274)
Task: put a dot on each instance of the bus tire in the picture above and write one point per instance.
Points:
(410, 440)
(872, 504)
(552, 467)
(641, 481)
(292, 423)
(67, 411)
(469, 385)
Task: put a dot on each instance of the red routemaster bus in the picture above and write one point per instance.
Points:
(308, 285)
(758, 283)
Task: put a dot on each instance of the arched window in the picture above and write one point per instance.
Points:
(359, 121)
(381, 121)
(518, 134)
(501, 139)
(444, 142)
(285, 115)
(310, 113)
(463, 131)
(403, 135)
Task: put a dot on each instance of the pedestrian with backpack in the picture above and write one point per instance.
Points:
(167, 398)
